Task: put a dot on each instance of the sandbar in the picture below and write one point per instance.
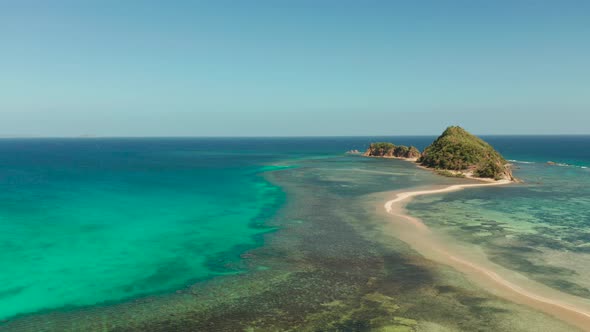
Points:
(494, 278)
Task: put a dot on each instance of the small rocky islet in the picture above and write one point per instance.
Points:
(455, 153)
(390, 150)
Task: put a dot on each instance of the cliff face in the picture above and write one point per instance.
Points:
(458, 150)
(407, 152)
(389, 150)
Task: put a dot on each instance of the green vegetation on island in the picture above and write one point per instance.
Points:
(447, 173)
(455, 153)
(458, 150)
(385, 149)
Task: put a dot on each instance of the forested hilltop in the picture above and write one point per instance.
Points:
(456, 152)
(385, 149)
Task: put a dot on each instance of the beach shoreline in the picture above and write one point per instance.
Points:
(459, 174)
(499, 281)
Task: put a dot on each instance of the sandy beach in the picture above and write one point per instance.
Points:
(474, 264)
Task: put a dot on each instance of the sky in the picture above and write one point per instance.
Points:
(293, 68)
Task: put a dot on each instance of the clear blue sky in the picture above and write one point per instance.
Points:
(264, 68)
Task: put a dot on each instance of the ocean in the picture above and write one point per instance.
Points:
(268, 233)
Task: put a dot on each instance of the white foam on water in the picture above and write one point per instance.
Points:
(521, 162)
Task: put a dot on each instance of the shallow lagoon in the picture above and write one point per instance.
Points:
(539, 228)
(321, 262)
(85, 222)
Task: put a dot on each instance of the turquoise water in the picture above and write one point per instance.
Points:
(87, 222)
(92, 221)
(540, 228)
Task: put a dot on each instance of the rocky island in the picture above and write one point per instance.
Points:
(455, 153)
(390, 150)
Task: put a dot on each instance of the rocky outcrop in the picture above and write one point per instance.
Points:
(406, 152)
(353, 152)
(390, 150)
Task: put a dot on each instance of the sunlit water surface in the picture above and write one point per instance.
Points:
(91, 229)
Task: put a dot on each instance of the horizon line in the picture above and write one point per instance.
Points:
(271, 136)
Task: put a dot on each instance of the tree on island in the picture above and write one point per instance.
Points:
(458, 150)
(455, 153)
(385, 149)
